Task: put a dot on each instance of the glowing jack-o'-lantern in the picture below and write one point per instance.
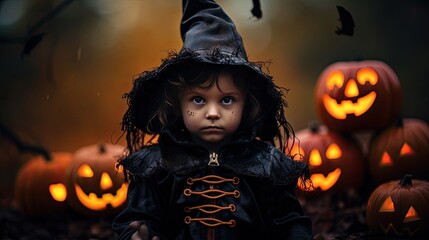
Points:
(401, 149)
(335, 162)
(95, 187)
(362, 95)
(40, 188)
(400, 208)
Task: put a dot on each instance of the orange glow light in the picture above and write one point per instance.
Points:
(387, 205)
(406, 150)
(85, 171)
(58, 192)
(106, 181)
(367, 75)
(340, 110)
(315, 159)
(351, 89)
(386, 160)
(335, 79)
(412, 215)
(333, 151)
(325, 183)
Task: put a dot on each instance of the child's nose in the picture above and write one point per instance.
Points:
(212, 112)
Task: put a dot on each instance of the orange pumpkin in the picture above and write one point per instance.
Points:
(335, 162)
(400, 208)
(95, 187)
(40, 189)
(361, 95)
(400, 149)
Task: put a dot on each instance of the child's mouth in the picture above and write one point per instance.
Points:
(212, 129)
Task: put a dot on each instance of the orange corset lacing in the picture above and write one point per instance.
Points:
(211, 194)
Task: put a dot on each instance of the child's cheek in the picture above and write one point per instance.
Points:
(234, 116)
(190, 113)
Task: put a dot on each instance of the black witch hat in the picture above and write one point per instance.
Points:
(209, 36)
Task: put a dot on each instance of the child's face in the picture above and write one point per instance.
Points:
(213, 114)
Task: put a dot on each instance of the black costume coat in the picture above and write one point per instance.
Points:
(249, 195)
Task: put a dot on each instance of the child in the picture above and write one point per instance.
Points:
(215, 172)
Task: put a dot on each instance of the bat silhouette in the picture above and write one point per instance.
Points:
(22, 146)
(30, 39)
(256, 10)
(31, 43)
(347, 23)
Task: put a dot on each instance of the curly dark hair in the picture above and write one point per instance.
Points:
(154, 105)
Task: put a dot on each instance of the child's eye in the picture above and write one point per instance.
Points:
(227, 101)
(198, 100)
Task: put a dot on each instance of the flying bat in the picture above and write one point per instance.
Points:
(256, 10)
(31, 43)
(347, 23)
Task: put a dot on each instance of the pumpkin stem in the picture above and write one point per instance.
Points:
(24, 147)
(314, 126)
(102, 148)
(406, 180)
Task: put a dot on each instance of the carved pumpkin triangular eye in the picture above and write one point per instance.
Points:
(386, 160)
(85, 171)
(406, 150)
(333, 151)
(315, 159)
(58, 192)
(412, 215)
(387, 205)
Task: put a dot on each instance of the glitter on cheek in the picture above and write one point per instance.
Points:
(192, 114)
(233, 115)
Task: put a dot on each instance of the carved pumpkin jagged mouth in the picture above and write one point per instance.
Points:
(93, 202)
(325, 183)
(340, 111)
(405, 231)
(411, 216)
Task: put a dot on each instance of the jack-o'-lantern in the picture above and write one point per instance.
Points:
(401, 149)
(361, 95)
(335, 162)
(95, 187)
(399, 208)
(40, 189)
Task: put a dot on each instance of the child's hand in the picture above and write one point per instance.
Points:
(142, 232)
